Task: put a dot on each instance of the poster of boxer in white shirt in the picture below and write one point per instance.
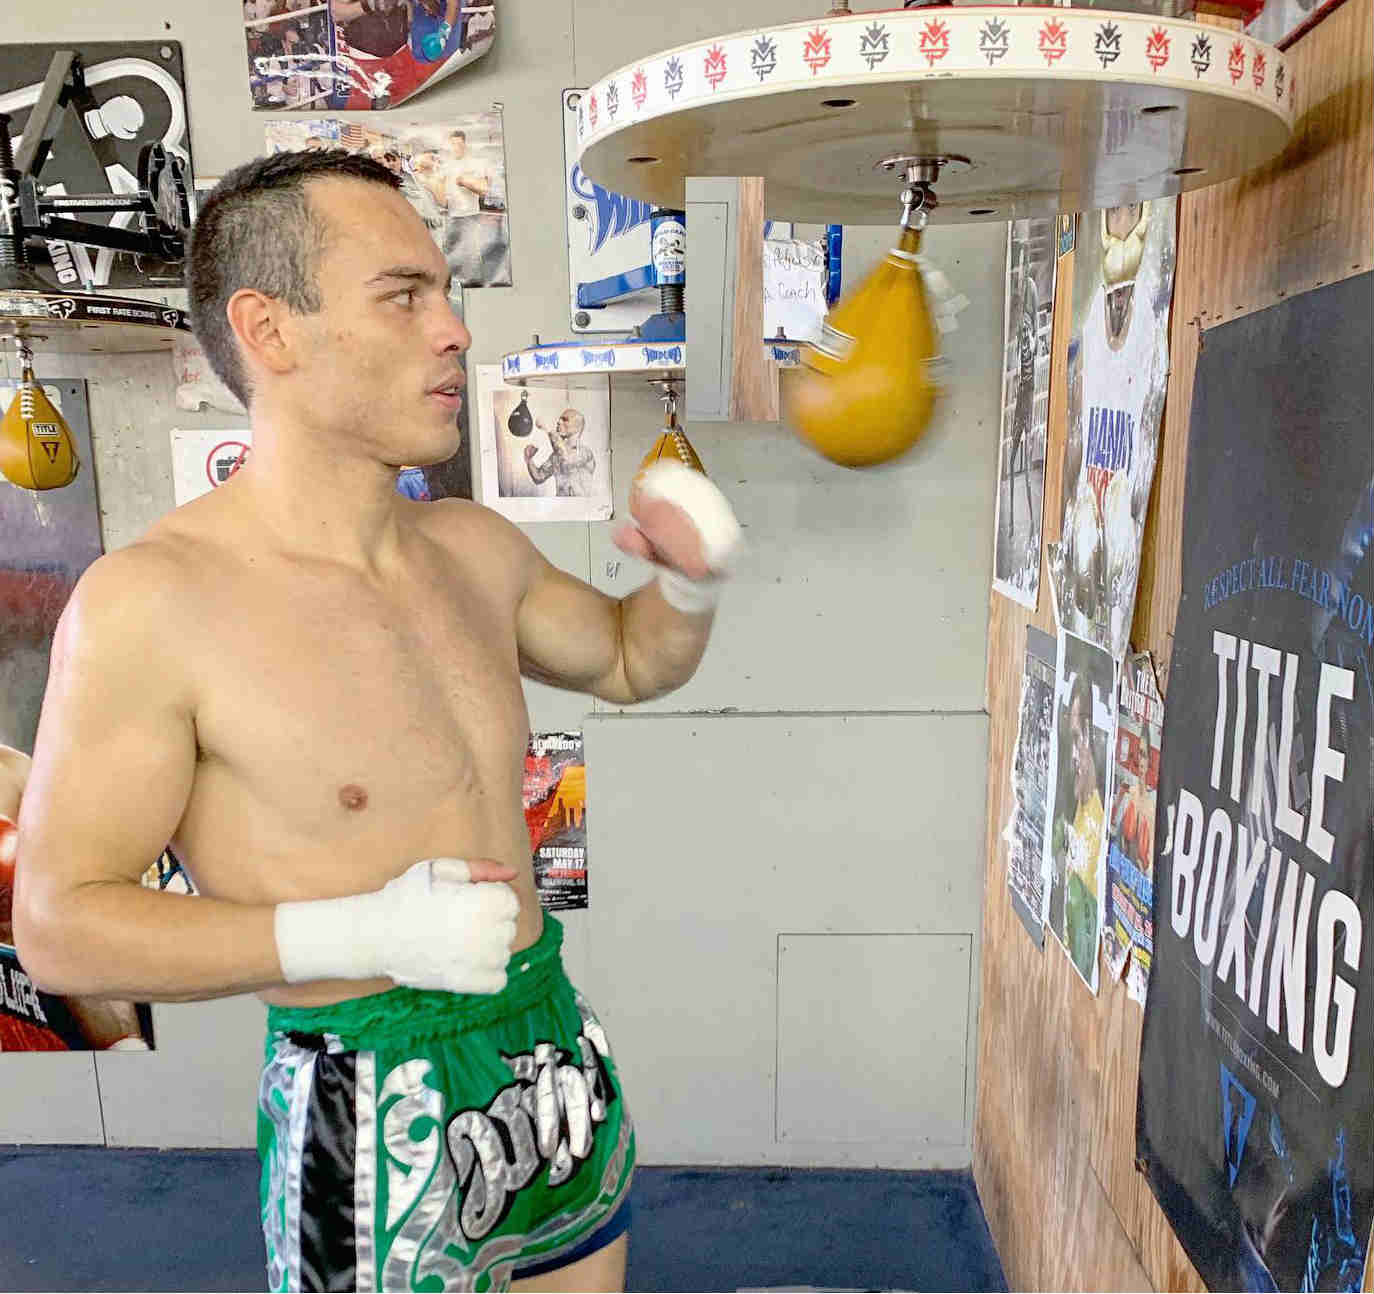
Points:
(453, 173)
(1118, 371)
(1025, 409)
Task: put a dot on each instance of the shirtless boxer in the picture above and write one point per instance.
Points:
(310, 685)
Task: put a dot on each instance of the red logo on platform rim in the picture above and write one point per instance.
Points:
(639, 87)
(715, 65)
(1259, 71)
(1157, 48)
(591, 111)
(816, 50)
(1054, 40)
(1235, 62)
(934, 41)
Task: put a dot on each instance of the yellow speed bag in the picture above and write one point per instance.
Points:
(37, 451)
(864, 393)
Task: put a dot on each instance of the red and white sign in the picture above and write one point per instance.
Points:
(224, 460)
(203, 459)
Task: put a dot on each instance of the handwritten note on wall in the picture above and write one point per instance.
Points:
(794, 276)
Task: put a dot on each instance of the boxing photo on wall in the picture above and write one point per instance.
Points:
(358, 54)
(1028, 325)
(1118, 370)
(453, 173)
(1030, 782)
(134, 96)
(1127, 915)
(48, 537)
(555, 799)
(1075, 860)
(545, 451)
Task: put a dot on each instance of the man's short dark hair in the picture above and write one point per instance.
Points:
(257, 229)
(458, 134)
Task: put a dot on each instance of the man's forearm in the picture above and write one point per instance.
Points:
(116, 939)
(661, 646)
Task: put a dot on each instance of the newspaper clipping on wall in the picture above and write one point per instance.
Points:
(1127, 919)
(1030, 783)
(1075, 843)
(1027, 330)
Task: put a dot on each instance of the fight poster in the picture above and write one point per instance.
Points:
(1027, 327)
(1030, 783)
(555, 794)
(1075, 860)
(453, 173)
(1255, 1119)
(358, 54)
(1127, 918)
(1118, 370)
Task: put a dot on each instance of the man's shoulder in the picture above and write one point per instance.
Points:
(475, 534)
(153, 574)
(464, 520)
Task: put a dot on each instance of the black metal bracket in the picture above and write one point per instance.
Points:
(163, 202)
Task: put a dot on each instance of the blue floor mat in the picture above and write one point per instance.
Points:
(85, 1218)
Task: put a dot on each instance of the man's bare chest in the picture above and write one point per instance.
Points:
(320, 696)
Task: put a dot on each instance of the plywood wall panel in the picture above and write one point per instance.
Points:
(1054, 1133)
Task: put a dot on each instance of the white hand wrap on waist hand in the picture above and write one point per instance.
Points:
(432, 927)
(710, 512)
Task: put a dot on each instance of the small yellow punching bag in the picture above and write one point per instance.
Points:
(37, 451)
(864, 393)
(671, 445)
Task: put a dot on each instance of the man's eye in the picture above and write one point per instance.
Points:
(406, 298)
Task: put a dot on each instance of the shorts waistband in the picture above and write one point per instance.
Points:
(412, 1014)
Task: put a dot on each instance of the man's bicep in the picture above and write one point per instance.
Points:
(116, 748)
(568, 634)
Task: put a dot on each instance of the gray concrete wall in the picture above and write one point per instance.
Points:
(784, 933)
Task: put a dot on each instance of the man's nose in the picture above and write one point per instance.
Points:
(452, 333)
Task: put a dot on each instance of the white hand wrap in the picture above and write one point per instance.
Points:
(431, 927)
(129, 1044)
(710, 512)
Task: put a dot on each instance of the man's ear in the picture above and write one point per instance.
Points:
(258, 323)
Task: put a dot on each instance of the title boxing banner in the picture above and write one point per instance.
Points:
(1255, 1120)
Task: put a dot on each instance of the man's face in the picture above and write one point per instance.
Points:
(568, 430)
(1122, 247)
(378, 367)
(459, 145)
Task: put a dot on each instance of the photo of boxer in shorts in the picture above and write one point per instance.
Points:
(309, 687)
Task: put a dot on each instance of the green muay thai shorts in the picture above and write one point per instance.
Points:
(417, 1140)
